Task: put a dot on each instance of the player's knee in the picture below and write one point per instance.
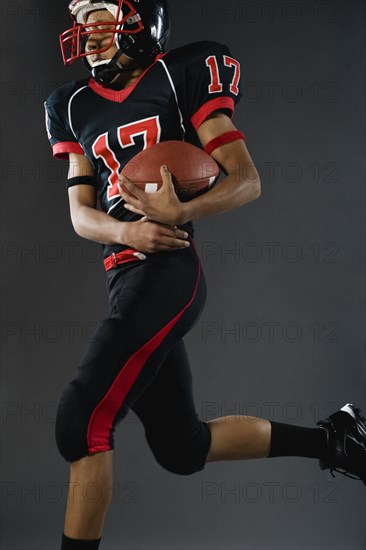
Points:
(182, 456)
(180, 460)
(71, 424)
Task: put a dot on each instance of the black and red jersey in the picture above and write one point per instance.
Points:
(168, 101)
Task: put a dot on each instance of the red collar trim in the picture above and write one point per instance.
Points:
(119, 95)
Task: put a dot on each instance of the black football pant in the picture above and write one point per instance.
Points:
(137, 360)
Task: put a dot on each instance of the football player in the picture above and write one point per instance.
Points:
(137, 94)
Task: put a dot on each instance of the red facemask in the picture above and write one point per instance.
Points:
(73, 40)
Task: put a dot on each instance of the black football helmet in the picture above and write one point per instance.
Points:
(140, 31)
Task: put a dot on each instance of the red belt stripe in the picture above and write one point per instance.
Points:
(128, 255)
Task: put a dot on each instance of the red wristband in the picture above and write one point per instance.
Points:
(228, 137)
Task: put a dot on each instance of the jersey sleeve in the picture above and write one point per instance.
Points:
(208, 79)
(59, 132)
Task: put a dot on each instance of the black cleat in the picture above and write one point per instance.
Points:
(346, 431)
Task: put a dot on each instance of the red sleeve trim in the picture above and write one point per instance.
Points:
(209, 107)
(61, 150)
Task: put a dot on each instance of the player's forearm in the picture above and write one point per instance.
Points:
(98, 226)
(227, 195)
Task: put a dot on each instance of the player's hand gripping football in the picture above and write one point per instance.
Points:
(162, 206)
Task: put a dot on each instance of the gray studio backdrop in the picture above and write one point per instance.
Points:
(282, 334)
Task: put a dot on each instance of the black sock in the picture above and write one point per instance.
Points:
(74, 544)
(289, 440)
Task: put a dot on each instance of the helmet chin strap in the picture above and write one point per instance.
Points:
(107, 72)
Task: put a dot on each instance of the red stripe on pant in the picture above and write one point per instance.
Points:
(101, 421)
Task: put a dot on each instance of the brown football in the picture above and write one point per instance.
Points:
(193, 171)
